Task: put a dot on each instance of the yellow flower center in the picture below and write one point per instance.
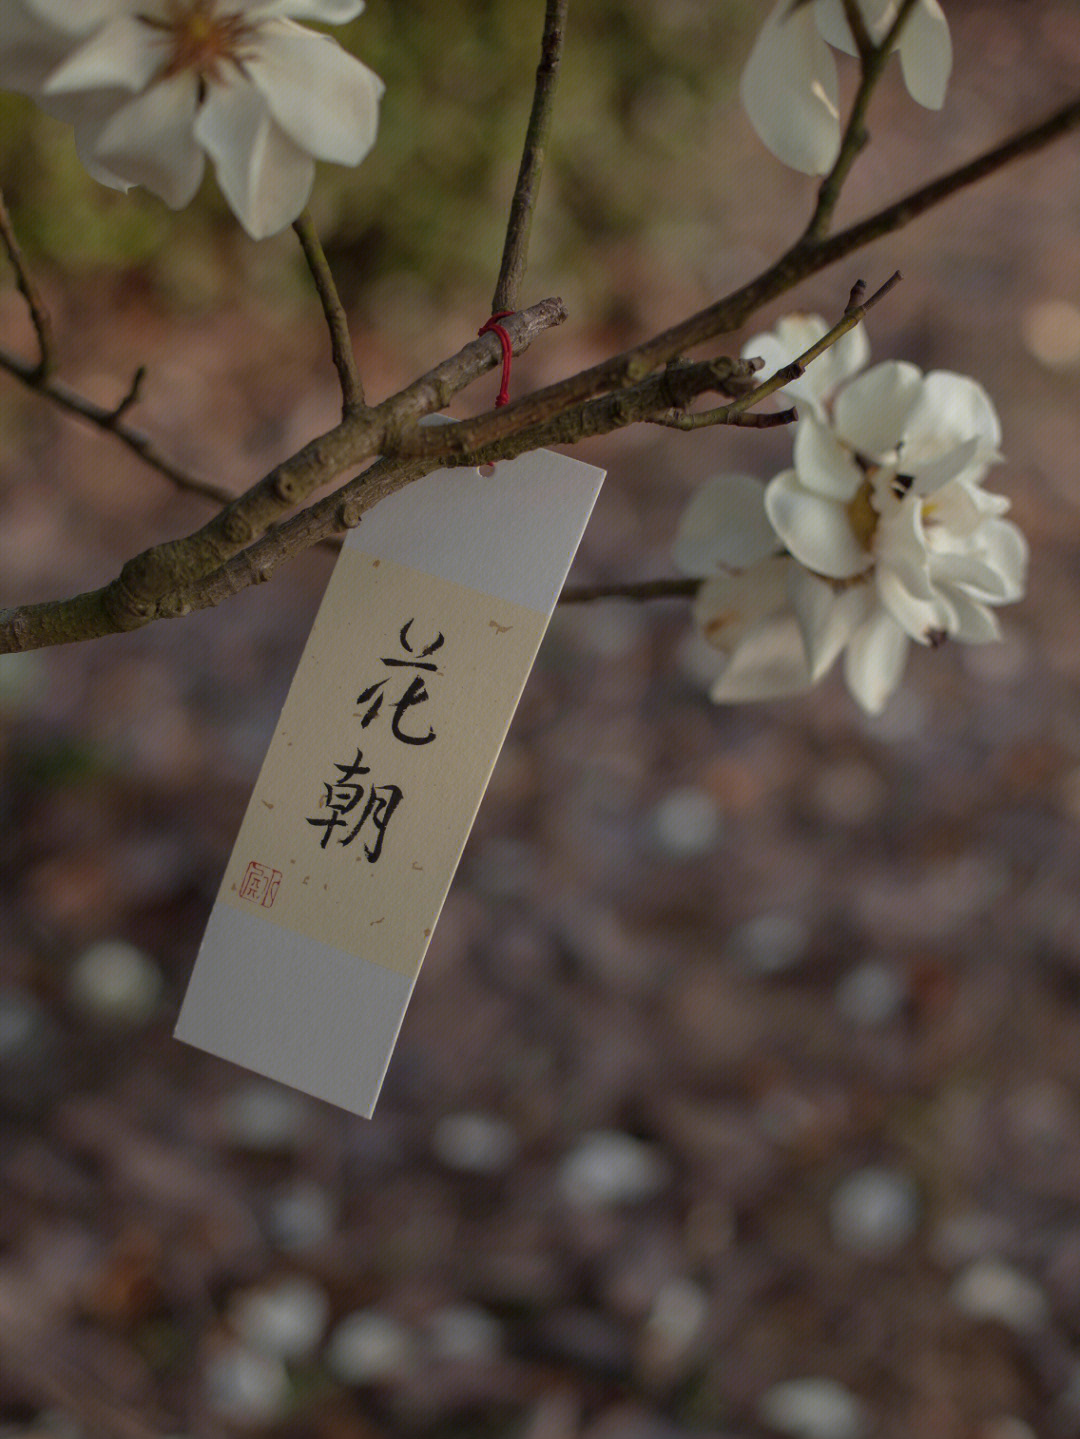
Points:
(863, 516)
(204, 38)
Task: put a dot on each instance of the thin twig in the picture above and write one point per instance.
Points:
(109, 421)
(131, 398)
(806, 257)
(667, 589)
(864, 43)
(352, 388)
(39, 316)
(522, 206)
(722, 416)
(148, 586)
(872, 59)
(853, 315)
(672, 387)
(158, 583)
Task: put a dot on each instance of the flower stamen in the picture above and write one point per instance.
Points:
(203, 40)
(862, 515)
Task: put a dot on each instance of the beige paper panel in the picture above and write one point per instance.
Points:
(353, 832)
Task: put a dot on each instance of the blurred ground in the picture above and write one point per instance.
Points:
(747, 1049)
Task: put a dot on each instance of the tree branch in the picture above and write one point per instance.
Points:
(675, 588)
(523, 204)
(872, 60)
(341, 349)
(109, 421)
(39, 316)
(806, 257)
(154, 585)
(157, 583)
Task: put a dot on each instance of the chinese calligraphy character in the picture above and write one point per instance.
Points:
(416, 692)
(343, 798)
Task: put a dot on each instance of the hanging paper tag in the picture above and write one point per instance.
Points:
(395, 717)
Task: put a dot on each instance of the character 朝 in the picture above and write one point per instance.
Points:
(343, 809)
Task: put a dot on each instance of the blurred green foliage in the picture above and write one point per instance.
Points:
(640, 95)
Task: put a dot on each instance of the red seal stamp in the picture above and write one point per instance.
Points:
(260, 884)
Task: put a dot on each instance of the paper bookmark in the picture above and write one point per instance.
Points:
(385, 745)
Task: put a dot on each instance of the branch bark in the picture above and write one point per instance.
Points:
(39, 316)
(168, 579)
(154, 585)
(522, 206)
(341, 348)
(806, 257)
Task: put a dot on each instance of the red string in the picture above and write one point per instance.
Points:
(493, 325)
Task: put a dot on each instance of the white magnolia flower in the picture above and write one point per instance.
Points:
(789, 85)
(880, 534)
(154, 87)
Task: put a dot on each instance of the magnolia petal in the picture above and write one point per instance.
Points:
(76, 19)
(973, 623)
(793, 336)
(29, 49)
(900, 546)
(986, 502)
(874, 661)
(88, 115)
(324, 99)
(971, 571)
(823, 463)
(147, 141)
(955, 513)
(1006, 550)
(727, 607)
(827, 617)
(817, 531)
(930, 476)
(325, 12)
(872, 411)
(949, 410)
(724, 527)
(926, 54)
(768, 664)
(789, 91)
(919, 616)
(265, 177)
(833, 26)
(123, 55)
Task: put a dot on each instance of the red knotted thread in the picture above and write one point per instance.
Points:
(493, 325)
